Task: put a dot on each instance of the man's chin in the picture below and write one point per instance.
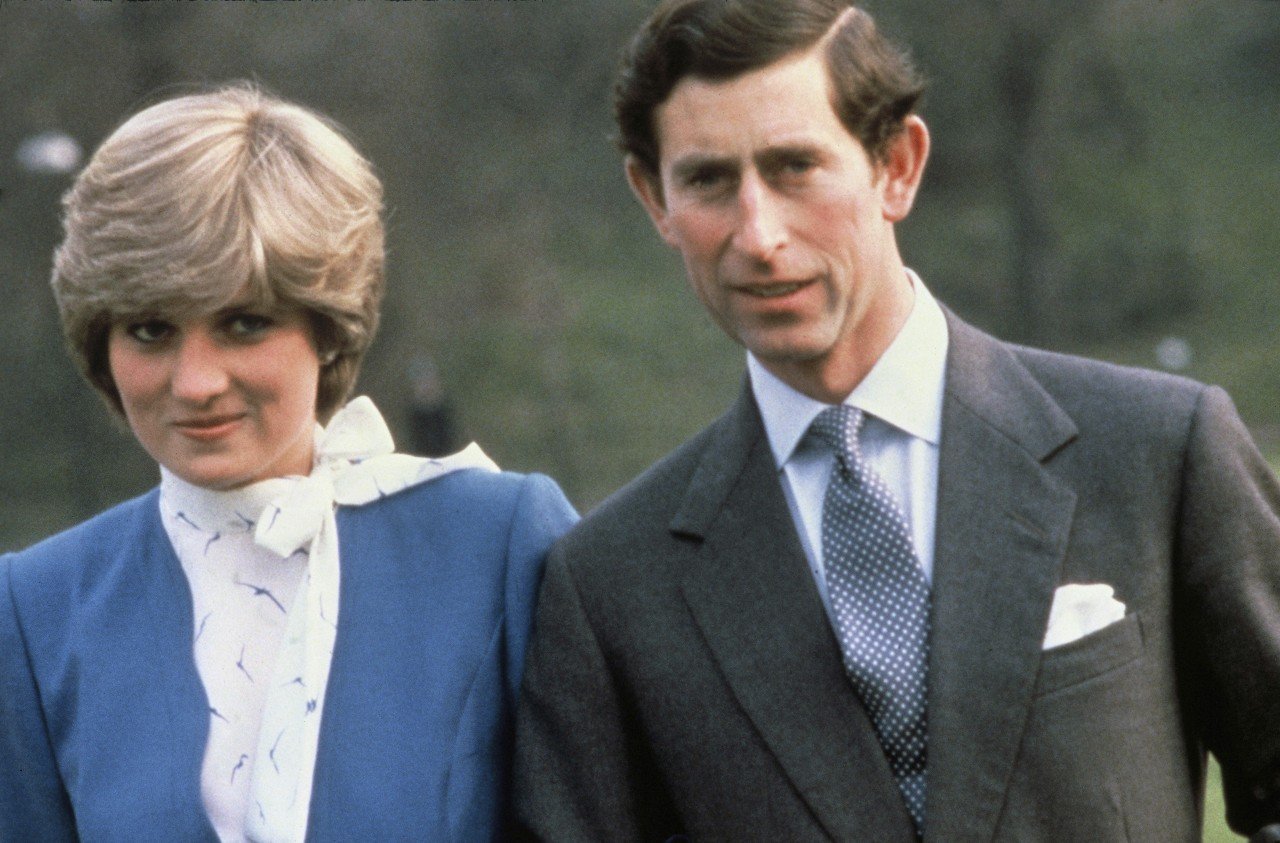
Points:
(786, 350)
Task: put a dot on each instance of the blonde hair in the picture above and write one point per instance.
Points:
(198, 198)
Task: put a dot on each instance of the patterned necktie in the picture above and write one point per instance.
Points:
(881, 602)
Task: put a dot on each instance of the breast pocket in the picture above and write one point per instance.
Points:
(1108, 649)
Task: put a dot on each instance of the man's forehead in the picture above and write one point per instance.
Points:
(801, 68)
(787, 103)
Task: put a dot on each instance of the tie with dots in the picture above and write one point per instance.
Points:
(881, 602)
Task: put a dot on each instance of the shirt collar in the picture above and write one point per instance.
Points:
(903, 389)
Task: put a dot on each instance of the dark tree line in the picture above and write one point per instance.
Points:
(1103, 171)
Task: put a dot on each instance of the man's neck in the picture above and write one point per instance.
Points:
(833, 376)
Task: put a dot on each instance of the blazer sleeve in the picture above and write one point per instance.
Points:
(1228, 608)
(33, 802)
(580, 771)
(541, 516)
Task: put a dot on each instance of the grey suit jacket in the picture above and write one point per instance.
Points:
(684, 679)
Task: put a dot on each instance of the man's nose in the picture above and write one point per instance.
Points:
(199, 371)
(761, 230)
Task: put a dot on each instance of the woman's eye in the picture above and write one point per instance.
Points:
(150, 331)
(248, 324)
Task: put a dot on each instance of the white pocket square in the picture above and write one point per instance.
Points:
(1079, 610)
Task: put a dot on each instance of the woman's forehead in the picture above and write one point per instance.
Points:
(186, 300)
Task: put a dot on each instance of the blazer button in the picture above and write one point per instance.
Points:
(1260, 792)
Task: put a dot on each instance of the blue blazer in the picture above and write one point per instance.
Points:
(104, 720)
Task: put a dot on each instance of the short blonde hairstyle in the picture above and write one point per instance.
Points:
(197, 198)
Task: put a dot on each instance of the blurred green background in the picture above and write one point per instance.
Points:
(1104, 180)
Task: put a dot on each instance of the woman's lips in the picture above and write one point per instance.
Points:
(207, 429)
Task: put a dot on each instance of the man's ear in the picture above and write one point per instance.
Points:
(903, 167)
(647, 186)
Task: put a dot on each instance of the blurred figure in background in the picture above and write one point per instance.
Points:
(431, 425)
(916, 582)
(299, 633)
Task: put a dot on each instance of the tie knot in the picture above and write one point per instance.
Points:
(838, 427)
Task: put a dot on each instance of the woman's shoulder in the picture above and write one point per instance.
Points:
(475, 507)
(483, 491)
(74, 552)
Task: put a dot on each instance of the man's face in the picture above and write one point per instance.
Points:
(784, 223)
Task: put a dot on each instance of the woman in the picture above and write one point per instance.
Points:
(299, 634)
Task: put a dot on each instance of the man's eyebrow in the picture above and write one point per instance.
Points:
(698, 164)
(789, 152)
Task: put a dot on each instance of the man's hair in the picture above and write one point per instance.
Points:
(197, 199)
(874, 84)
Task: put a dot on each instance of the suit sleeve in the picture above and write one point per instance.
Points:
(1228, 608)
(33, 803)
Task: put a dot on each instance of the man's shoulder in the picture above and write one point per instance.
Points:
(1128, 410)
(1071, 374)
(1089, 388)
(642, 511)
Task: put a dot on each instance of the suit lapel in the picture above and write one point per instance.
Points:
(755, 602)
(1002, 529)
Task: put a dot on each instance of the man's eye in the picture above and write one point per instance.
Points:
(150, 331)
(248, 324)
(706, 180)
(798, 166)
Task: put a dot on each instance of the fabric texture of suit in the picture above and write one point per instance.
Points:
(103, 718)
(686, 681)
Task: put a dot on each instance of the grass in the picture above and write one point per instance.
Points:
(1215, 824)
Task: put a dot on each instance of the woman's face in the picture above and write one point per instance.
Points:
(221, 400)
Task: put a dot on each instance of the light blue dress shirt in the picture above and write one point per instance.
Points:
(902, 397)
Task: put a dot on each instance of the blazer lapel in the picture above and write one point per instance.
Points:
(156, 584)
(753, 597)
(1003, 523)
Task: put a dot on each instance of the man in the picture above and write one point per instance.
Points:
(916, 582)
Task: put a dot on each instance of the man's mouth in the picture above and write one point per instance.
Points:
(773, 291)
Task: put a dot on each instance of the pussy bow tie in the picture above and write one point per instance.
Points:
(354, 465)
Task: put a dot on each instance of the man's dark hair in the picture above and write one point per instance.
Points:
(874, 84)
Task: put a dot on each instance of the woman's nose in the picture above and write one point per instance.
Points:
(199, 371)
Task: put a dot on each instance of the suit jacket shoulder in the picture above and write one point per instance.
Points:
(645, 507)
(1124, 394)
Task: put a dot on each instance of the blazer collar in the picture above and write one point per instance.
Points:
(730, 441)
(750, 592)
(1003, 523)
(985, 376)
(152, 583)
